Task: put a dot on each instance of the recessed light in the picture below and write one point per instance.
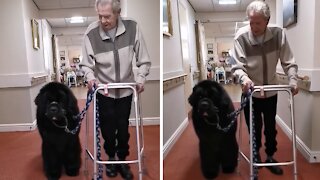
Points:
(76, 19)
(224, 2)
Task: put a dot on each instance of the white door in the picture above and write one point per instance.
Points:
(184, 33)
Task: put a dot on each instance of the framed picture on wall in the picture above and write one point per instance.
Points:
(167, 22)
(290, 12)
(210, 46)
(35, 34)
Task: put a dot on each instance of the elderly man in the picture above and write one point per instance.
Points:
(110, 45)
(257, 50)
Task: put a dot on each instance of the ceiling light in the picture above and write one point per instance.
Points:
(223, 2)
(76, 19)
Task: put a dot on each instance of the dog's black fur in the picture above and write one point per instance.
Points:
(210, 107)
(57, 105)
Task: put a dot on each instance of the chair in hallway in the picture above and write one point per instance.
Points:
(220, 74)
(72, 78)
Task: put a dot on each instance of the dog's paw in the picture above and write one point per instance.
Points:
(53, 178)
(210, 175)
(72, 172)
(53, 175)
(228, 170)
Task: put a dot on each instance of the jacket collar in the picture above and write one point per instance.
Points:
(268, 35)
(120, 30)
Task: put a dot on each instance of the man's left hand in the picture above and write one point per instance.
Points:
(294, 90)
(140, 88)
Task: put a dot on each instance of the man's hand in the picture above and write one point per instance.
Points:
(294, 90)
(246, 85)
(92, 83)
(140, 88)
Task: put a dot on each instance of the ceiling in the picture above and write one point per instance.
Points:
(67, 5)
(214, 6)
(63, 4)
(218, 29)
(58, 23)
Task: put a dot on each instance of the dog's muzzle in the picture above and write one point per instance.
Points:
(208, 111)
(54, 111)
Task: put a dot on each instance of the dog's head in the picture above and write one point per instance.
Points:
(56, 102)
(206, 101)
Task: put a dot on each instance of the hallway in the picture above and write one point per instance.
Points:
(183, 163)
(20, 152)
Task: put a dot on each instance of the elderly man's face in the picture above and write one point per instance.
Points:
(258, 23)
(107, 17)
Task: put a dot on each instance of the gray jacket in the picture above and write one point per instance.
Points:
(111, 61)
(258, 61)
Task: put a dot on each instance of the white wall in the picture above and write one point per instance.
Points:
(19, 62)
(172, 54)
(47, 47)
(174, 110)
(36, 62)
(192, 37)
(303, 38)
(316, 64)
(11, 37)
(147, 15)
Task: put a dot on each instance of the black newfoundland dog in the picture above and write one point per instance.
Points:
(210, 107)
(56, 108)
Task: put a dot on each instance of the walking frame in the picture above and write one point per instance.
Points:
(138, 125)
(262, 89)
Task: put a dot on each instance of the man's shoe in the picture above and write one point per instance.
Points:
(124, 170)
(274, 169)
(111, 170)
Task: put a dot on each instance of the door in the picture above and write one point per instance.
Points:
(184, 36)
(201, 49)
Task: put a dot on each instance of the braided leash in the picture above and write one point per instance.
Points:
(100, 167)
(254, 139)
(234, 116)
(82, 114)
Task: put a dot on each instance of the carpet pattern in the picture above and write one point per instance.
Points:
(20, 154)
(183, 161)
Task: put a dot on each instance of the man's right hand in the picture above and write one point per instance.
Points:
(92, 83)
(246, 85)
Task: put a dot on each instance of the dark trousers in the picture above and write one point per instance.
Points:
(114, 121)
(268, 108)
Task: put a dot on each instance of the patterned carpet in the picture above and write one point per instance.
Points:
(20, 154)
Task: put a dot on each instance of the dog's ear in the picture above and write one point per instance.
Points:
(37, 99)
(192, 97)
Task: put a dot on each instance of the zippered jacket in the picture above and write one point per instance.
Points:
(111, 61)
(258, 61)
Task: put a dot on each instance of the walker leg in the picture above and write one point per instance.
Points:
(295, 173)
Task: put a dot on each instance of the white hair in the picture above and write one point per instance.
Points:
(260, 7)
(116, 6)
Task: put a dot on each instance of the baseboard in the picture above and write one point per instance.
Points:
(18, 127)
(311, 156)
(147, 121)
(175, 136)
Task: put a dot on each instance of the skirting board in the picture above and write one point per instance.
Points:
(311, 156)
(147, 121)
(175, 136)
(18, 127)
